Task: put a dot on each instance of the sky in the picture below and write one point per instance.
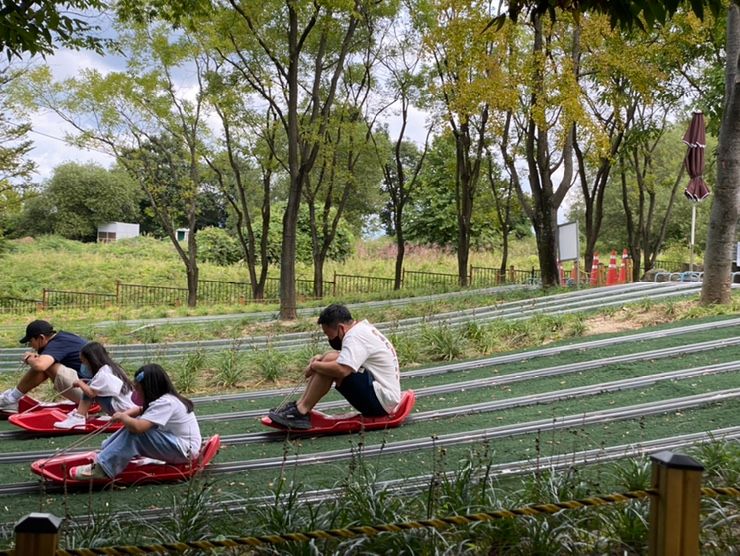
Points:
(51, 150)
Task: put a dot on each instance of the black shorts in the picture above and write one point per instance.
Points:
(358, 390)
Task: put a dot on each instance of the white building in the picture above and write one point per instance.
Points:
(113, 231)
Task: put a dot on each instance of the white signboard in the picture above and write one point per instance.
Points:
(737, 254)
(568, 248)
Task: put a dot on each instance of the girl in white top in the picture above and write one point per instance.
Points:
(108, 386)
(165, 428)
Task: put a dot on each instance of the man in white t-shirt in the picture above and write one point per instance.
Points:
(364, 369)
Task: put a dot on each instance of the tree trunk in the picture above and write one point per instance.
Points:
(400, 250)
(192, 276)
(721, 238)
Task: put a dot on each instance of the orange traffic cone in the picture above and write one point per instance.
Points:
(595, 270)
(623, 268)
(611, 277)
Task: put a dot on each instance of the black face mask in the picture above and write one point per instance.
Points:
(336, 343)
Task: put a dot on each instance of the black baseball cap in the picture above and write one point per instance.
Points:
(35, 329)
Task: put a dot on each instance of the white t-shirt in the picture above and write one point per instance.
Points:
(171, 415)
(106, 384)
(364, 348)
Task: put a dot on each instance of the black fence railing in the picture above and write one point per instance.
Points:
(420, 279)
(350, 283)
(19, 305)
(232, 293)
(139, 294)
(80, 300)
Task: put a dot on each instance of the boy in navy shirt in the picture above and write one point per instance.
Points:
(56, 357)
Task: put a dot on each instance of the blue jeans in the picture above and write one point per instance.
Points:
(123, 446)
(105, 402)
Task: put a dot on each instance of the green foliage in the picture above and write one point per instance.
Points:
(79, 198)
(443, 342)
(341, 247)
(270, 363)
(218, 246)
(190, 370)
(37, 27)
(229, 367)
(432, 218)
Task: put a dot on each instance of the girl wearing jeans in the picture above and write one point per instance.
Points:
(165, 428)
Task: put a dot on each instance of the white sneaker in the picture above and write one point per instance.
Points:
(7, 404)
(89, 471)
(72, 421)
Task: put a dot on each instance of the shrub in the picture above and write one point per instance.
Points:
(218, 246)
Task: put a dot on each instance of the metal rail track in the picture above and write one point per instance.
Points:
(509, 358)
(415, 484)
(588, 300)
(487, 382)
(267, 316)
(470, 409)
(446, 440)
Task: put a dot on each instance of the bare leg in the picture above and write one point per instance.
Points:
(318, 386)
(31, 380)
(83, 407)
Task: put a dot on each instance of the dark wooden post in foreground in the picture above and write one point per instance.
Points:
(37, 534)
(674, 512)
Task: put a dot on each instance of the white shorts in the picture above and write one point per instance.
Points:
(63, 381)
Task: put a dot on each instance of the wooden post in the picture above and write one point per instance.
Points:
(674, 513)
(37, 534)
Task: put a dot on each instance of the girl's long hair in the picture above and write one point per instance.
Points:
(155, 383)
(98, 356)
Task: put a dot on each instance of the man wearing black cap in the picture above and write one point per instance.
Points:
(56, 357)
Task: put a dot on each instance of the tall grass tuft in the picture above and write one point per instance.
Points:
(443, 343)
(270, 362)
(229, 371)
(191, 368)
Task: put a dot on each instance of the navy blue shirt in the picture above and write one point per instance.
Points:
(65, 348)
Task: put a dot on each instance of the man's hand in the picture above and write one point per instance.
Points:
(28, 356)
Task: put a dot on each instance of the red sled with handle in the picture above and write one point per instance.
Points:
(138, 471)
(27, 404)
(42, 423)
(321, 423)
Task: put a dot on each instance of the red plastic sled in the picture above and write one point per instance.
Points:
(352, 422)
(42, 422)
(138, 471)
(27, 404)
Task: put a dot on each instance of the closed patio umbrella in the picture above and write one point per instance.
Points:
(697, 190)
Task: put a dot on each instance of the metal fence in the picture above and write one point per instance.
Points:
(419, 279)
(485, 276)
(673, 266)
(81, 300)
(350, 283)
(138, 294)
(215, 291)
(18, 305)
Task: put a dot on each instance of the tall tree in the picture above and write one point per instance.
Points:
(726, 206)
(16, 168)
(142, 116)
(462, 52)
(401, 166)
(245, 157)
(307, 48)
(721, 237)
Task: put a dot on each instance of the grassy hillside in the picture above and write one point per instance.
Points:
(55, 263)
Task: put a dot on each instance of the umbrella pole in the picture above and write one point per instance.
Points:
(693, 229)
